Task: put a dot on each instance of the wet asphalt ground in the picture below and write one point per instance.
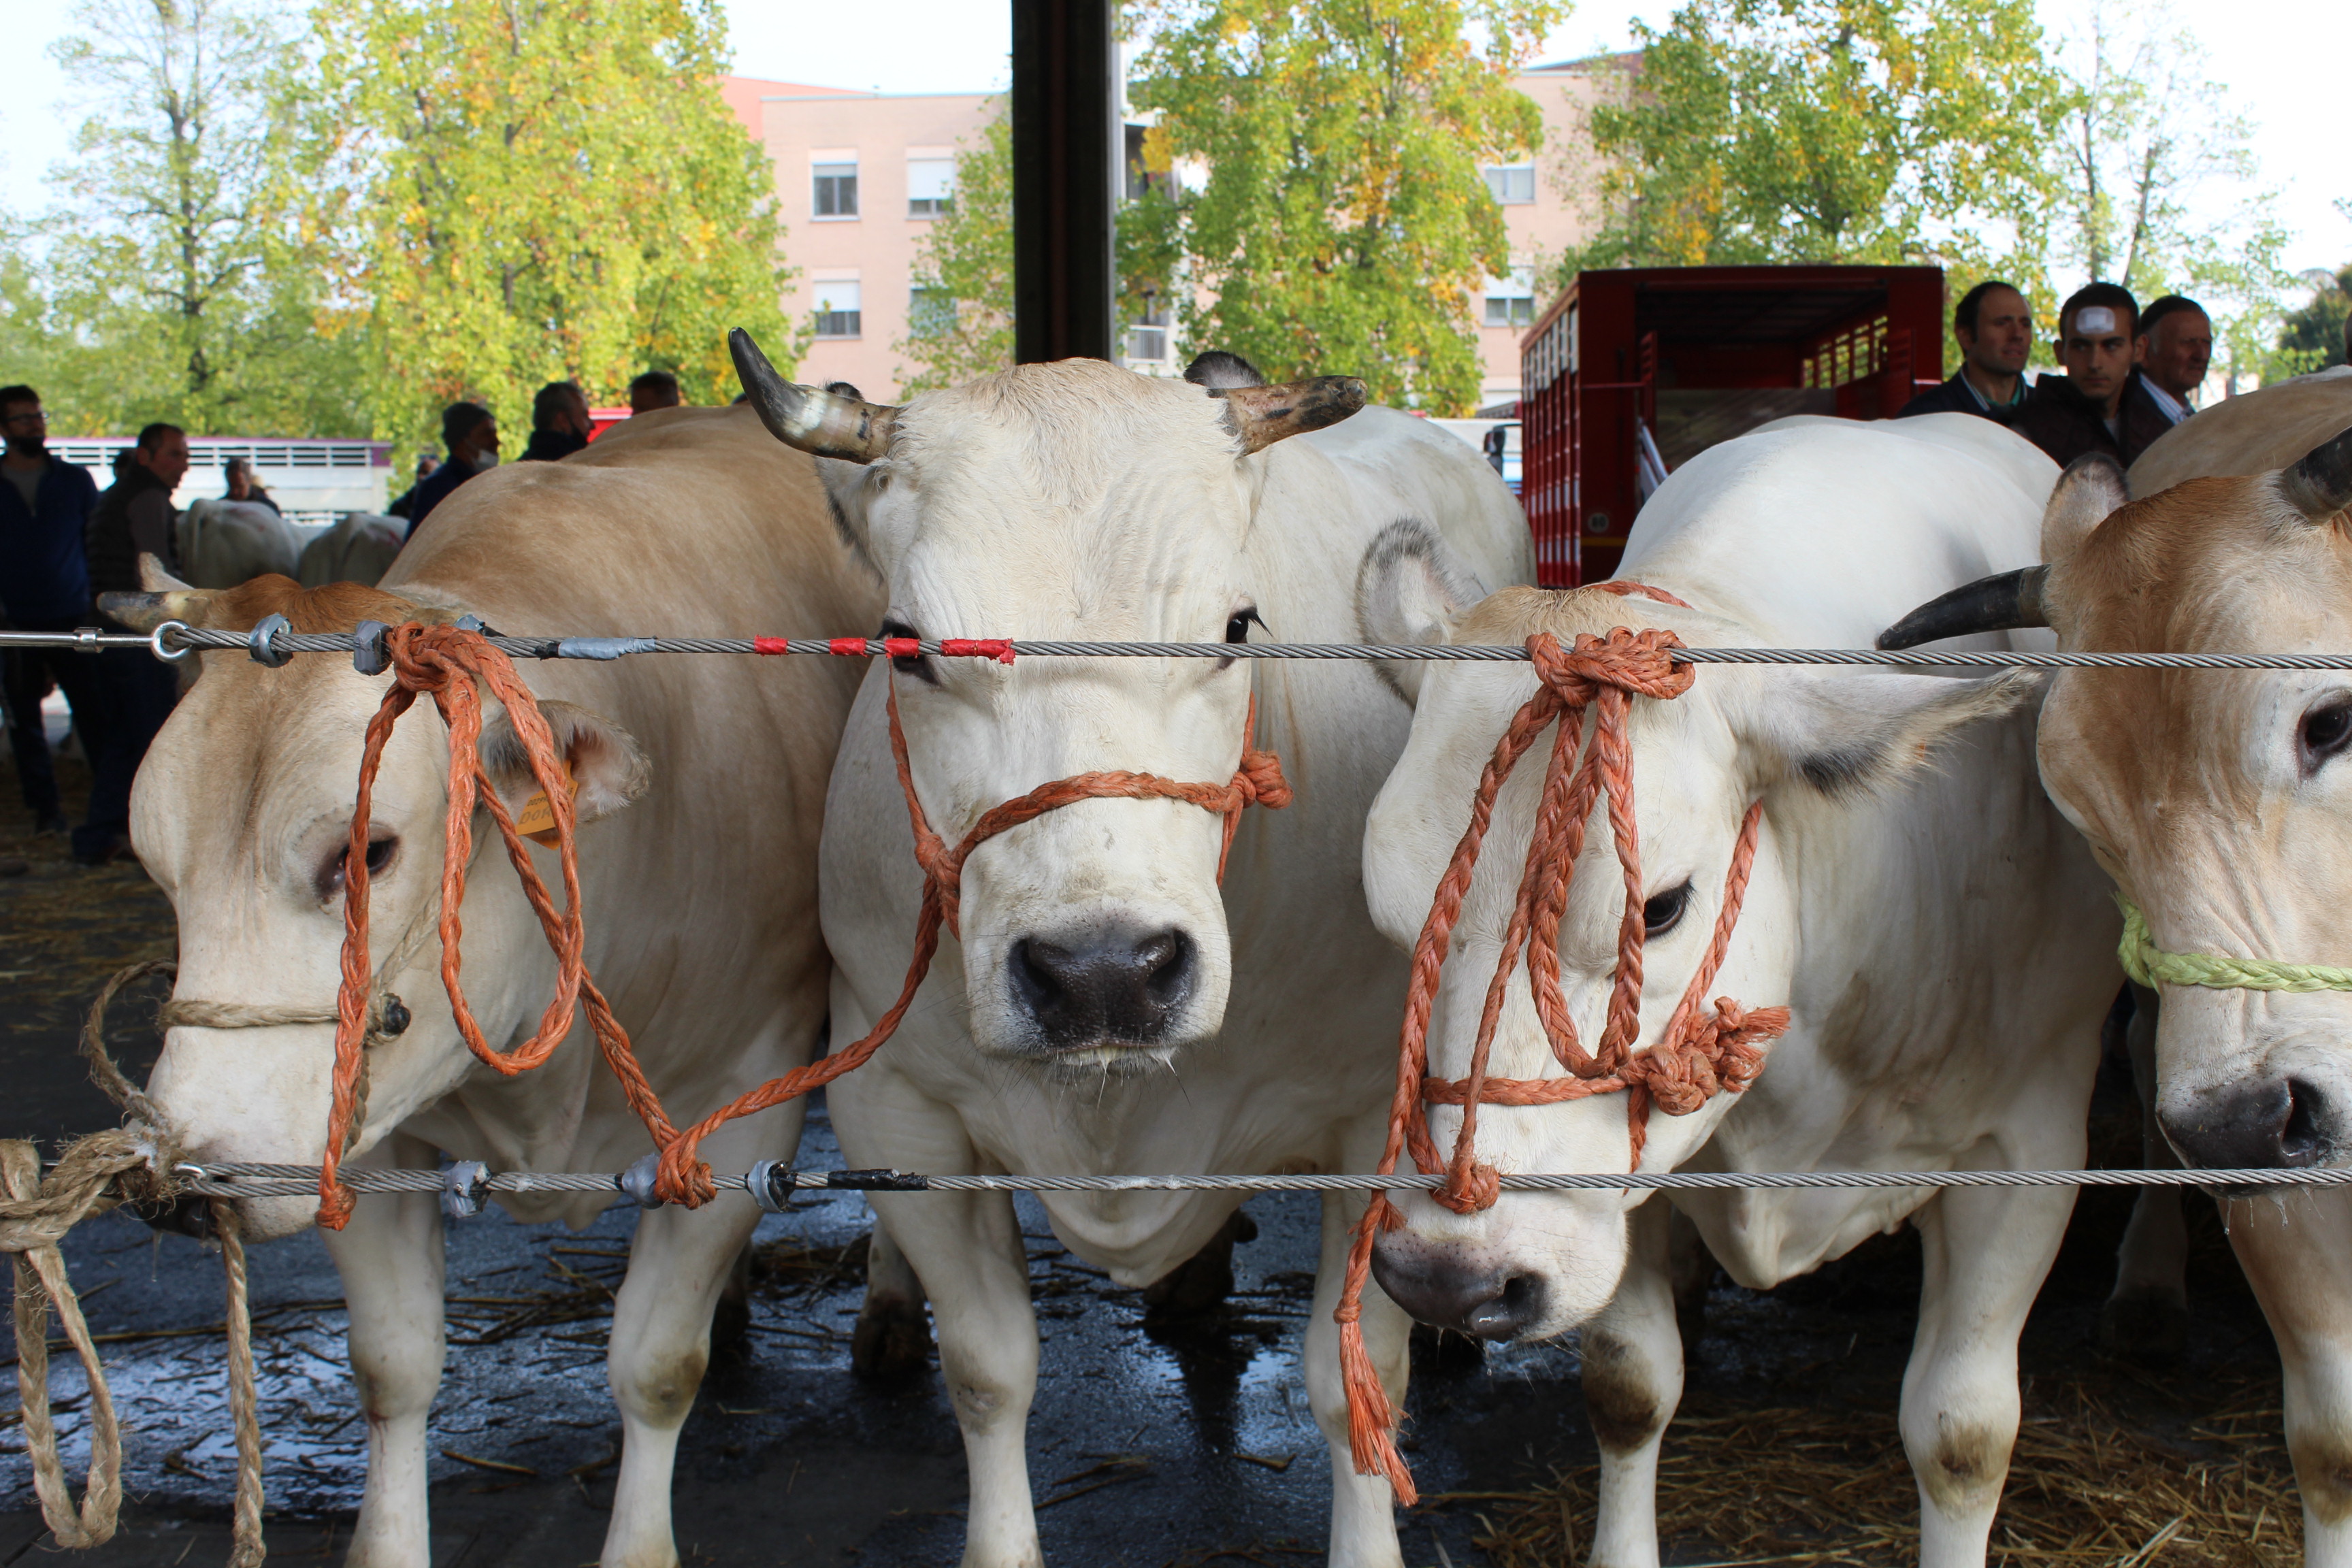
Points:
(1157, 1450)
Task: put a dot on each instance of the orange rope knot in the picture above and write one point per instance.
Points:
(1695, 1057)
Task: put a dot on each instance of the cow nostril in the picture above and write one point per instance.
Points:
(1033, 966)
(2300, 1139)
(1167, 962)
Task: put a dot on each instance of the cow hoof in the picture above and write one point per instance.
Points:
(1444, 1352)
(1197, 1288)
(2146, 1326)
(891, 1342)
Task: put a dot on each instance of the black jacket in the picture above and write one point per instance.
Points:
(1955, 396)
(551, 446)
(43, 574)
(135, 514)
(2065, 424)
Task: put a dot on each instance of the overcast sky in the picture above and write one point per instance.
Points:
(2283, 60)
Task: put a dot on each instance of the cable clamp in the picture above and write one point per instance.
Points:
(771, 1184)
(261, 646)
(86, 640)
(159, 642)
(465, 1187)
(369, 656)
(636, 1182)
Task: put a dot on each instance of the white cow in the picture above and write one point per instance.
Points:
(2217, 801)
(360, 548)
(1108, 1007)
(698, 900)
(223, 542)
(1941, 940)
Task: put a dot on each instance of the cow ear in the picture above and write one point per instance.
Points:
(2088, 494)
(604, 757)
(1409, 593)
(1844, 735)
(1260, 415)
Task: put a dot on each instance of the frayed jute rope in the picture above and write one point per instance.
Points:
(132, 1163)
(1698, 1054)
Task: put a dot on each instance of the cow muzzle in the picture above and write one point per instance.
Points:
(2284, 1122)
(1471, 1290)
(1112, 986)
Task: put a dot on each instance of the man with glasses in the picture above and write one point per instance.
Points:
(44, 508)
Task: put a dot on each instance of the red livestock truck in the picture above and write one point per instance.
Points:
(1632, 373)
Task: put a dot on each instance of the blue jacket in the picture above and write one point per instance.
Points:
(433, 489)
(44, 575)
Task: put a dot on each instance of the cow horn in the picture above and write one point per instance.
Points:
(145, 611)
(1998, 604)
(1261, 416)
(823, 424)
(2319, 485)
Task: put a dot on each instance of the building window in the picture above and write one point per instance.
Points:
(836, 189)
(931, 186)
(930, 312)
(1147, 340)
(1514, 185)
(838, 310)
(1511, 301)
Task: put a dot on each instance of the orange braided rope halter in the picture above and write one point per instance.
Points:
(1695, 1058)
(451, 664)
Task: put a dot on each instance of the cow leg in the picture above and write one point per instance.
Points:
(390, 1260)
(1633, 1356)
(679, 1264)
(966, 1250)
(2297, 1251)
(2145, 1318)
(893, 1337)
(1986, 1251)
(1363, 1507)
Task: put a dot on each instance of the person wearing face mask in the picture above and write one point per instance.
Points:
(2088, 409)
(560, 423)
(471, 436)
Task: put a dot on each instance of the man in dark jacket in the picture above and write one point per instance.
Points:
(2087, 409)
(2173, 348)
(135, 517)
(560, 423)
(471, 437)
(44, 508)
(1995, 329)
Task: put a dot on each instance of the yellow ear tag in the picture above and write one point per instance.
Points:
(537, 819)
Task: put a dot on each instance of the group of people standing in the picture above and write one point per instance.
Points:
(62, 543)
(2127, 374)
(561, 425)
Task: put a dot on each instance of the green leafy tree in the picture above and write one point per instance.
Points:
(172, 280)
(961, 325)
(1833, 132)
(2159, 181)
(531, 190)
(2311, 335)
(1342, 225)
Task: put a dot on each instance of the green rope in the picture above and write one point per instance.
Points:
(2149, 965)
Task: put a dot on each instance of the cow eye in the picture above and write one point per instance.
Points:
(1237, 628)
(2325, 731)
(917, 667)
(1664, 911)
(335, 873)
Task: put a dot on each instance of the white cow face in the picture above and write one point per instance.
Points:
(242, 813)
(1070, 501)
(1536, 1264)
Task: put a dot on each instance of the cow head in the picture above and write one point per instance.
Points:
(1069, 501)
(2219, 801)
(242, 813)
(1810, 745)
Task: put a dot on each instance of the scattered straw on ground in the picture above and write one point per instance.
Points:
(1831, 1485)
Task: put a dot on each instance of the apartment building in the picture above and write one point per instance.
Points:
(861, 176)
